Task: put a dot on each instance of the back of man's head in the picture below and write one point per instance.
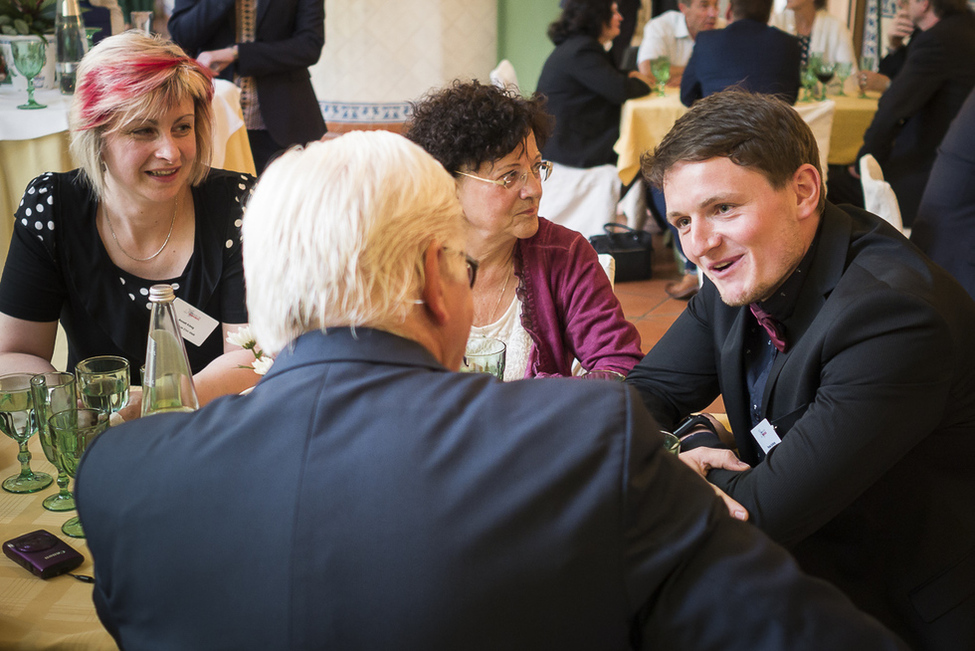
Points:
(753, 130)
(759, 10)
(335, 233)
(944, 8)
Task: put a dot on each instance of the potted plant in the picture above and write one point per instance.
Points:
(22, 19)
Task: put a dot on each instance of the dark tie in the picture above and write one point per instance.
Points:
(775, 330)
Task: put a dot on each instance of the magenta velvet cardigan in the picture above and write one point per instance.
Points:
(569, 308)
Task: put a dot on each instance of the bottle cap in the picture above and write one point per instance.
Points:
(161, 293)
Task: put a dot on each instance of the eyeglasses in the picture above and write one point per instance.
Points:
(513, 180)
(472, 264)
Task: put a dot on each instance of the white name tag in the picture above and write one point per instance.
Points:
(765, 435)
(195, 325)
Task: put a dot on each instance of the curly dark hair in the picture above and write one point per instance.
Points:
(468, 123)
(587, 17)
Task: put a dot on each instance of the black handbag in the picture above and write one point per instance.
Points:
(632, 249)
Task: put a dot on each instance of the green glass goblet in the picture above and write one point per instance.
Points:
(53, 392)
(74, 430)
(18, 421)
(90, 33)
(843, 71)
(103, 382)
(866, 65)
(660, 68)
(29, 57)
(484, 355)
(808, 78)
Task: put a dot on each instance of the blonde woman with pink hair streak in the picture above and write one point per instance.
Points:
(143, 208)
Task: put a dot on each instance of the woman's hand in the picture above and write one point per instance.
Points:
(217, 60)
(875, 81)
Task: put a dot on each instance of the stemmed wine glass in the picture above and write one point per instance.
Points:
(18, 421)
(53, 392)
(843, 71)
(824, 72)
(808, 78)
(866, 65)
(660, 68)
(74, 430)
(29, 57)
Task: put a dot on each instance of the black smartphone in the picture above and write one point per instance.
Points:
(42, 554)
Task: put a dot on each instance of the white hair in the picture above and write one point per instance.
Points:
(334, 235)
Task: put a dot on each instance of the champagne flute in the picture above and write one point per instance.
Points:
(74, 430)
(843, 71)
(866, 65)
(53, 392)
(660, 68)
(18, 421)
(29, 57)
(103, 382)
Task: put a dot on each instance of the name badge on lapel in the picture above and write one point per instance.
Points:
(765, 435)
(195, 325)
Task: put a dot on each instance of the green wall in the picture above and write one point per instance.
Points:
(521, 37)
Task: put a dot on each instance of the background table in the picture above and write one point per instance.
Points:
(34, 142)
(35, 613)
(645, 121)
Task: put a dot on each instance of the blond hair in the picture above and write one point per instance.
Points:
(133, 76)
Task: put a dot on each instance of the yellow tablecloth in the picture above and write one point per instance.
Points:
(22, 160)
(645, 121)
(35, 613)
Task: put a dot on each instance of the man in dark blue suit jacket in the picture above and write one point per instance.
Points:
(365, 496)
(845, 360)
(289, 35)
(747, 54)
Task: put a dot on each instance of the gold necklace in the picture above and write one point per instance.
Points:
(132, 257)
(507, 277)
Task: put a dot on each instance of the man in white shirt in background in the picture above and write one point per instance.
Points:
(672, 34)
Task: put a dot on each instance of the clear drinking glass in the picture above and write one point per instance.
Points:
(484, 355)
(29, 57)
(74, 430)
(660, 67)
(18, 421)
(103, 382)
(53, 392)
(866, 65)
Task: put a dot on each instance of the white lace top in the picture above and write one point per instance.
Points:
(518, 344)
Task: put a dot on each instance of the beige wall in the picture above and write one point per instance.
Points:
(380, 53)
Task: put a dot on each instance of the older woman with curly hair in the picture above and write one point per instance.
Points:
(540, 287)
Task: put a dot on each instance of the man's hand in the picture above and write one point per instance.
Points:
(901, 29)
(217, 60)
(702, 460)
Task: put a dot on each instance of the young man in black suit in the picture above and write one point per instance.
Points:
(845, 359)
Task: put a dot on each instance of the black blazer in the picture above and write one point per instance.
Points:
(288, 40)
(585, 94)
(363, 497)
(945, 224)
(747, 54)
(915, 112)
(872, 486)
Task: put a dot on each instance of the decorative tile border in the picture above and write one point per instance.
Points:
(366, 112)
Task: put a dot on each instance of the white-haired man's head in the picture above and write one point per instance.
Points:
(347, 233)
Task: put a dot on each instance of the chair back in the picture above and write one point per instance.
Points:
(819, 117)
(582, 199)
(878, 196)
(504, 76)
